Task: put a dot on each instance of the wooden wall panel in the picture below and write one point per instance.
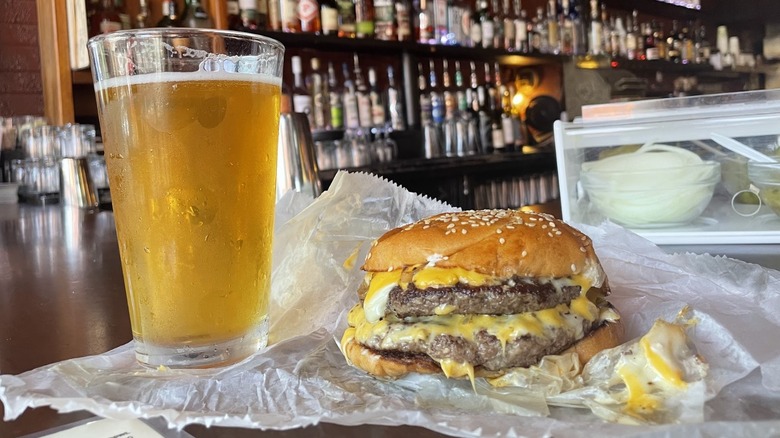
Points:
(21, 90)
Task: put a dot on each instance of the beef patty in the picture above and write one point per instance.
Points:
(486, 351)
(517, 295)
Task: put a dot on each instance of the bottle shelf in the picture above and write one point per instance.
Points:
(445, 167)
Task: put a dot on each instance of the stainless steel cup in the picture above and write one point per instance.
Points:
(296, 166)
(76, 186)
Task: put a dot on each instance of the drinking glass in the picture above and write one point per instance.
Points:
(189, 120)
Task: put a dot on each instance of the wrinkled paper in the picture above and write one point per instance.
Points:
(301, 378)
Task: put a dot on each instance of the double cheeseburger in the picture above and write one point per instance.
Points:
(478, 293)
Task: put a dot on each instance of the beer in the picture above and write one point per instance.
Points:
(192, 163)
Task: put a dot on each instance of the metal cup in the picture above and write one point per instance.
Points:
(296, 168)
(76, 186)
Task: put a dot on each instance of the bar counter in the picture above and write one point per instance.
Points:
(62, 296)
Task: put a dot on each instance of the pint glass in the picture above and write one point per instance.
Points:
(189, 122)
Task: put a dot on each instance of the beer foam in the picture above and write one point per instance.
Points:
(203, 76)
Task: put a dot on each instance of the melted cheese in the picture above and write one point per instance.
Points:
(381, 283)
(454, 369)
(389, 332)
(444, 277)
(659, 347)
(654, 369)
(640, 401)
(375, 302)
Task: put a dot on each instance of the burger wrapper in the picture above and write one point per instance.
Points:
(729, 311)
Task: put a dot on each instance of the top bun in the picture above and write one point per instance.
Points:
(501, 243)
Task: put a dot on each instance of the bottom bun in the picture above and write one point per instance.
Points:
(393, 364)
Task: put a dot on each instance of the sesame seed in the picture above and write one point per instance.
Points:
(368, 256)
(544, 227)
(550, 234)
(573, 267)
(425, 227)
(464, 231)
(498, 231)
(552, 224)
(524, 253)
(501, 240)
(450, 226)
(582, 248)
(390, 269)
(509, 227)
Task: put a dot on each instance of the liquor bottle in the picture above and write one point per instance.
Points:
(460, 92)
(596, 36)
(142, 18)
(504, 117)
(475, 31)
(274, 11)
(631, 40)
(637, 30)
(651, 51)
(703, 49)
(462, 117)
(291, 22)
(458, 22)
(660, 41)
(329, 17)
(470, 121)
(233, 14)
(553, 30)
(169, 16)
(395, 108)
(509, 26)
(425, 33)
(450, 98)
(425, 97)
(195, 15)
(568, 37)
(385, 23)
(688, 50)
(351, 111)
(487, 25)
(302, 100)
(539, 37)
(437, 102)
(105, 19)
(498, 24)
(404, 21)
(618, 38)
(346, 18)
(481, 106)
(674, 43)
(249, 17)
(521, 28)
(309, 16)
(335, 103)
(378, 115)
(364, 18)
(580, 29)
(439, 20)
(606, 30)
(317, 86)
(449, 126)
(363, 96)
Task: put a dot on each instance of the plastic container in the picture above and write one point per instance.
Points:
(766, 177)
(706, 186)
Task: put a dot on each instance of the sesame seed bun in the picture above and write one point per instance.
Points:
(501, 243)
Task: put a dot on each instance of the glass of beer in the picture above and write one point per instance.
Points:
(189, 122)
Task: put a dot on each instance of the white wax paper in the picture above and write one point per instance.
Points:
(302, 379)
